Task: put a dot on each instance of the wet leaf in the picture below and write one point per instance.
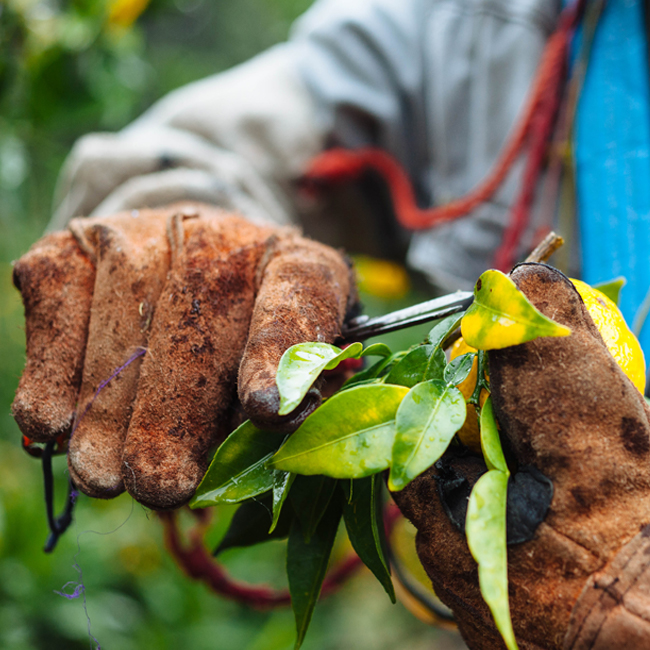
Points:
(458, 369)
(501, 316)
(307, 565)
(375, 371)
(367, 375)
(426, 421)
(282, 482)
(612, 289)
(490, 441)
(250, 525)
(310, 497)
(363, 515)
(301, 365)
(421, 363)
(237, 471)
(442, 329)
(349, 436)
(486, 536)
(377, 350)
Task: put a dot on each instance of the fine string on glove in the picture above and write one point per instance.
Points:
(58, 525)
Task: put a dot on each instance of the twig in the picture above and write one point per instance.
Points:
(545, 248)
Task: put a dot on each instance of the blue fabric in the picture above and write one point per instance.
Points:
(612, 145)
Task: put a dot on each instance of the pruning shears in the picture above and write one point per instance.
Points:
(364, 327)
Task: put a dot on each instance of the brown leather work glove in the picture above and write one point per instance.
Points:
(214, 300)
(564, 407)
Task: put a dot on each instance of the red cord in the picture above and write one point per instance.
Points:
(197, 562)
(541, 130)
(536, 122)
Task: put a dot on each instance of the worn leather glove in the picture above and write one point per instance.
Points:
(565, 408)
(213, 299)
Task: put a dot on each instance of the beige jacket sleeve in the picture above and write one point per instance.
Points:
(235, 139)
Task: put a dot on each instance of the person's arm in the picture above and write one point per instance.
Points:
(235, 140)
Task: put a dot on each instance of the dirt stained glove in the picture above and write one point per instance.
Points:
(214, 299)
(564, 407)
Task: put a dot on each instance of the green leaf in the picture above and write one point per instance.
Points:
(349, 436)
(501, 316)
(237, 471)
(612, 289)
(250, 525)
(426, 421)
(442, 329)
(348, 488)
(375, 371)
(377, 350)
(363, 382)
(365, 376)
(307, 565)
(490, 441)
(422, 362)
(485, 527)
(436, 366)
(458, 369)
(310, 497)
(363, 514)
(282, 482)
(301, 365)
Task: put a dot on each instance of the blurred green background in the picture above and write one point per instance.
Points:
(66, 69)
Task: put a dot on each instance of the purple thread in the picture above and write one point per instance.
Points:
(140, 353)
(78, 590)
(79, 587)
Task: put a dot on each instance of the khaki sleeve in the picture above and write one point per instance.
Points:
(235, 139)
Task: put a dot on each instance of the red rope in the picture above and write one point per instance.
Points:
(536, 122)
(541, 130)
(197, 562)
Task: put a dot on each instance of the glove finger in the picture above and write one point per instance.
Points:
(198, 335)
(304, 296)
(56, 281)
(566, 407)
(131, 255)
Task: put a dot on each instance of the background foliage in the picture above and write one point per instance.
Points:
(66, 68)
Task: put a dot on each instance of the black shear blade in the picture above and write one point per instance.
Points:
(364, 327)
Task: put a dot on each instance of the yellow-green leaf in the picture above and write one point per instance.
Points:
(427, 419)
(485, 527)
(300, 366)
(238, 470)
(501, 316)
(350, 436)
(490, 441)
(612, 289)
(377, 350)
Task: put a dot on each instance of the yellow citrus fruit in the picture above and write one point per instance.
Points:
(619, 339)
(617, 335)
(469, 433)
(381, 278)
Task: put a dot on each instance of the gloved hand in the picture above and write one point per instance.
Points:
(564, 407)
(214, 300)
